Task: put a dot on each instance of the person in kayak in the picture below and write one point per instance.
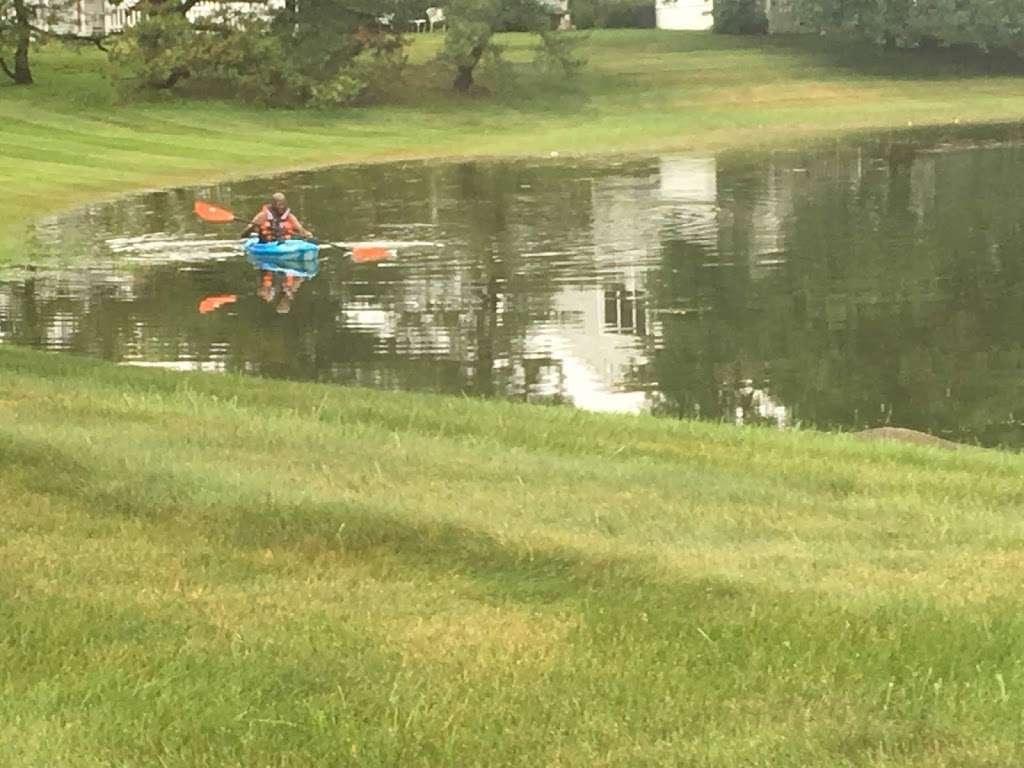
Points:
(275, 222)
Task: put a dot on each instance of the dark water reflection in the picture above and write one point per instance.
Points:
(841, 287)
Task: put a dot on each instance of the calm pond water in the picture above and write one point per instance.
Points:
(848, 285)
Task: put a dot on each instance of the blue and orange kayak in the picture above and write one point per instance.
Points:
(291, 248)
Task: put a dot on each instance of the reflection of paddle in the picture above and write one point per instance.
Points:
(211, 303)
(365, 254)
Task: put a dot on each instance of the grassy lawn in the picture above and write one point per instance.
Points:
(67, 140)
(211, 571)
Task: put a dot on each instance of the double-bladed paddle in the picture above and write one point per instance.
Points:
(361, 253)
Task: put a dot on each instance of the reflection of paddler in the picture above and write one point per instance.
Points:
(269, 290)
(282, 276)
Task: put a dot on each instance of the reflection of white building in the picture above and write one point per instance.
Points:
(613, 329)
(370, 318)
(922, 185)
(767, 235)
(690, 186)
(701, 215)
(601, 346)
(758, 406)
(605, 328)
(626, 221)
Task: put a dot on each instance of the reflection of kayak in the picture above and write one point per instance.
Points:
(283, 248)
(304, 265)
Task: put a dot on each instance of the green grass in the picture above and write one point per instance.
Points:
(67, 140)
(213, 571)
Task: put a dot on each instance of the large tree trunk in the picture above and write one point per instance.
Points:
(464, 72)
(22, 74)
(177, 74)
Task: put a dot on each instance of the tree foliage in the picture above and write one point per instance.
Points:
(472, 25)
(740, 17)
(609, 14)
(313, 53)
(984, 24)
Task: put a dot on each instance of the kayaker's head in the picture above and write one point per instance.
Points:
(278, 204)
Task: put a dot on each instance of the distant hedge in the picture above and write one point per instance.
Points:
(983, 24)
(610, 14)
(740, 17)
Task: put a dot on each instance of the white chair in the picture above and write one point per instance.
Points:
(435, 16)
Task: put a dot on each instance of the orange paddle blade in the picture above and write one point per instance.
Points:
(366, 253)
(211, 303)
(212, 213)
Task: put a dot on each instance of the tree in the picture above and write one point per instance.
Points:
(472, 25)
(317, 52)
(16, 17)
(740, 17)
(23, 23)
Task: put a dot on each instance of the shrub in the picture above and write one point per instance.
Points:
(740, 17)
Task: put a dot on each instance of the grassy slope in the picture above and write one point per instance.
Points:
(65, 140)
(211, 571)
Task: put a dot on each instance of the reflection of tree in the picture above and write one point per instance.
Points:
(895, 304)
(699, 331)
(505, 292)
(24, 320)
(713, 316)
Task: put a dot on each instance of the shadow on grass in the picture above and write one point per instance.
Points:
(511, 568)
(520, 87)
(924, 63)
(312, 529)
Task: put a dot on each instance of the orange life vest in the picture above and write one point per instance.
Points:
(274, 228)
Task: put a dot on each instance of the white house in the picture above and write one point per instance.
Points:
(685, 14)
(99, 18)
(89, 18)
(698, 15)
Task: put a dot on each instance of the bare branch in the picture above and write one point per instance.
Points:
(70, 37)
(6, 70)
(178, 73)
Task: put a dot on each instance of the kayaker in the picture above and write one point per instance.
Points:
(275, 222)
